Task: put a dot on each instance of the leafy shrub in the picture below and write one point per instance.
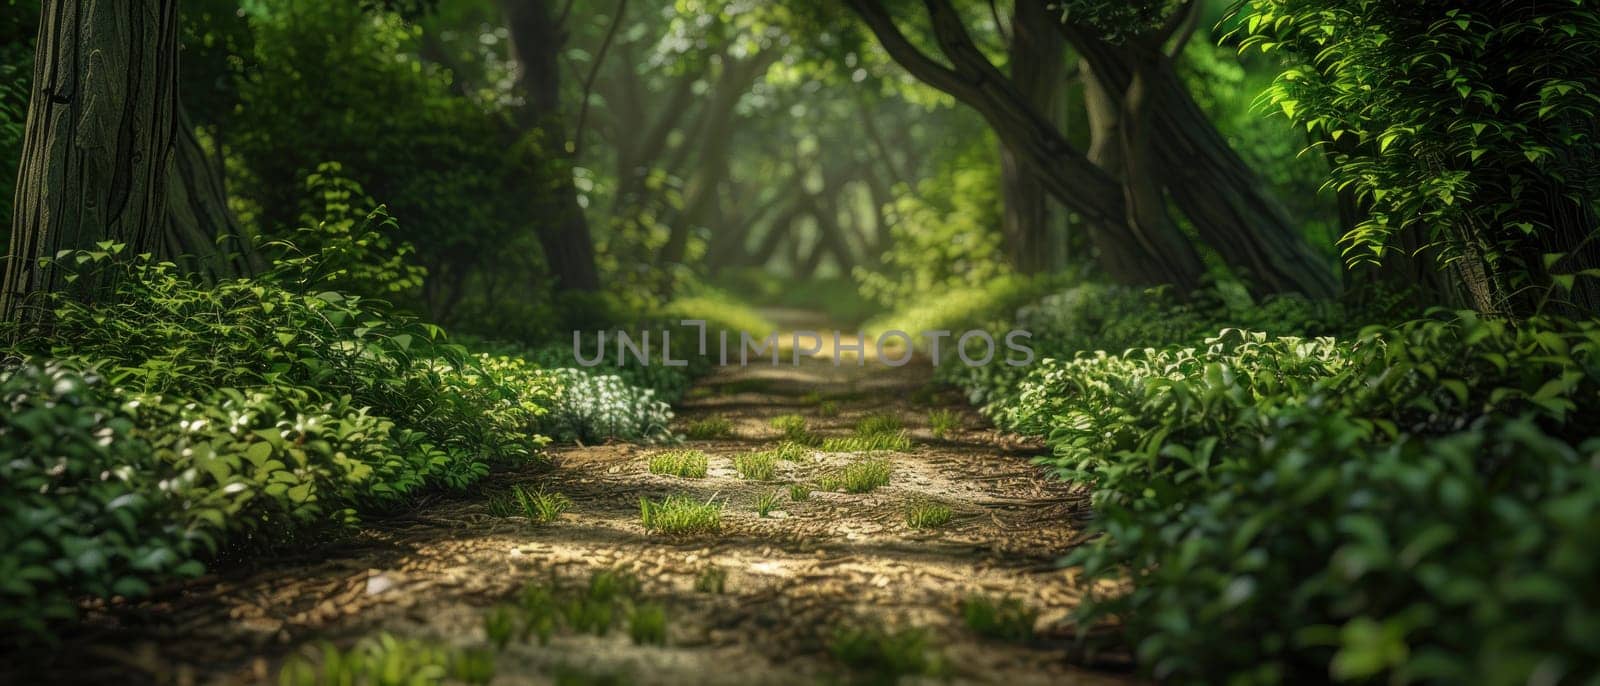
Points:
(225, 416)
(1406, 505)
(593, 408)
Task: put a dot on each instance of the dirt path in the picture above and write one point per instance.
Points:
(832, 560)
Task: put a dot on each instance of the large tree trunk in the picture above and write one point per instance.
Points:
(1038, 69)
(201, 233)
(100, 129)
(563, 231)
(1220, 195)
(1064, 172)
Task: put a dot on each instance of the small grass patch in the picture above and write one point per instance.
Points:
(680, 515)
(541, 608)
(708, 429)
(890, 654)
(790, 451)
(812, 398)
(827, 408)
(874, 424)
(761, 466)
(799, 492)
(384, 659)
(647, 624)
(689, 464)
(858, 477)
(744, 386)
(767, 502)
(539, 507)
(793, 427)
(943, 421)
(927, 514)
(712, 580)
(1005, 619)
(886, 442)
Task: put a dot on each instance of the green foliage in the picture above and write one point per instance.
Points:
(709, 428)
(680, 515)
(943, 236)
(538, 507)
(344, 247)
(760, 466)
(227, 416)
(799, 492)
(927, 514)
(592, 408)
(1406, 504)
(886, 653)
(1005, 619)
(453, 169)
(864, 476)
(689, 464)
(1456, 122)
(387, 660)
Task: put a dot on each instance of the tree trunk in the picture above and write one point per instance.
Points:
(1037, 68)
(563, 231)
(100, 130)
(1213, 187)
(201, 234)
(1065, 173)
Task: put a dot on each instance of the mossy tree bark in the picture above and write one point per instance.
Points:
(101, 124)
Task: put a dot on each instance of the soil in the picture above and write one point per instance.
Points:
(792, 577)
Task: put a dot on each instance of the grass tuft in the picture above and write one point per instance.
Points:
(874, 424)
(942, 421)
(793, 427)
(859, 443)
(761, 466)
(1006, 619)
(767, 502)
(708, 428)
(827, 408)
(712, 580)
(927, 514)
(790, 451)
(858, 477)
(647, 624)
(680, 515)
(680, 463)
(539, 507)
(799, 492)
(891, 654)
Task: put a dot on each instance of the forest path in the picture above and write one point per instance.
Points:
(791, 578)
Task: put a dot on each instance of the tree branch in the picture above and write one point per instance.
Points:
(594, 70)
